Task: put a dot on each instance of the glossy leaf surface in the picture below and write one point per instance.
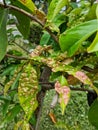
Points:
(71, 39)
(55, 7)
(3, 34)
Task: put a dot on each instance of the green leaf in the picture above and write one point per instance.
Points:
(55, 7)
(93, 113)
(12, 113)
(71, 39)
(94, 46)
(5, 98)
(3, 34)
(5, 107)
(97, 11)
(92, 13)
(8, 70)
(23, 23)
(63, 80)
(45, 38)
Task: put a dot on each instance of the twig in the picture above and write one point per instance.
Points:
(22, 48)
(44, 77)
(16, 57)
(50, 85)
(34, 18)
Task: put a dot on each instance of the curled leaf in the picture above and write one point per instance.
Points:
(83, 77)
(64, 95)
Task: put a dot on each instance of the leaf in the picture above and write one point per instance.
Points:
(45, 38)
(5, 107)
(27, 90)
(52, 117)
(20, 5)
(13, 82)
(64, 95)
(29, 4)
(3, 34)
(94, 46)
(12, 113)
(84, 79)
(8, 70)
(5, 98)
(18, 125)
(92, 13)
(63, 80)
(97, 11)
(55, 7)
(93, 113)
(71, 39)
(23, 23)
(25, 126)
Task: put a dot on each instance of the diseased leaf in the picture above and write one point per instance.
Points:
(13, 81)
(3, 34)
(93, 113)
(55, 7)
(71, 39)
(20, 5)
(25, 126)
(29, 4)
(27, 90)
(64, 95)
(84, 79)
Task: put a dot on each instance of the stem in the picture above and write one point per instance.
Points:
(16, 57)
(22, 48)
(50, 85)
(34, 18)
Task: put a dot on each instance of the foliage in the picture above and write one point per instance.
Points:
(64, 56)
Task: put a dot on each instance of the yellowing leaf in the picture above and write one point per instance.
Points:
(29, 4)
(28, 90)
(40, 15)
(84, 79)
